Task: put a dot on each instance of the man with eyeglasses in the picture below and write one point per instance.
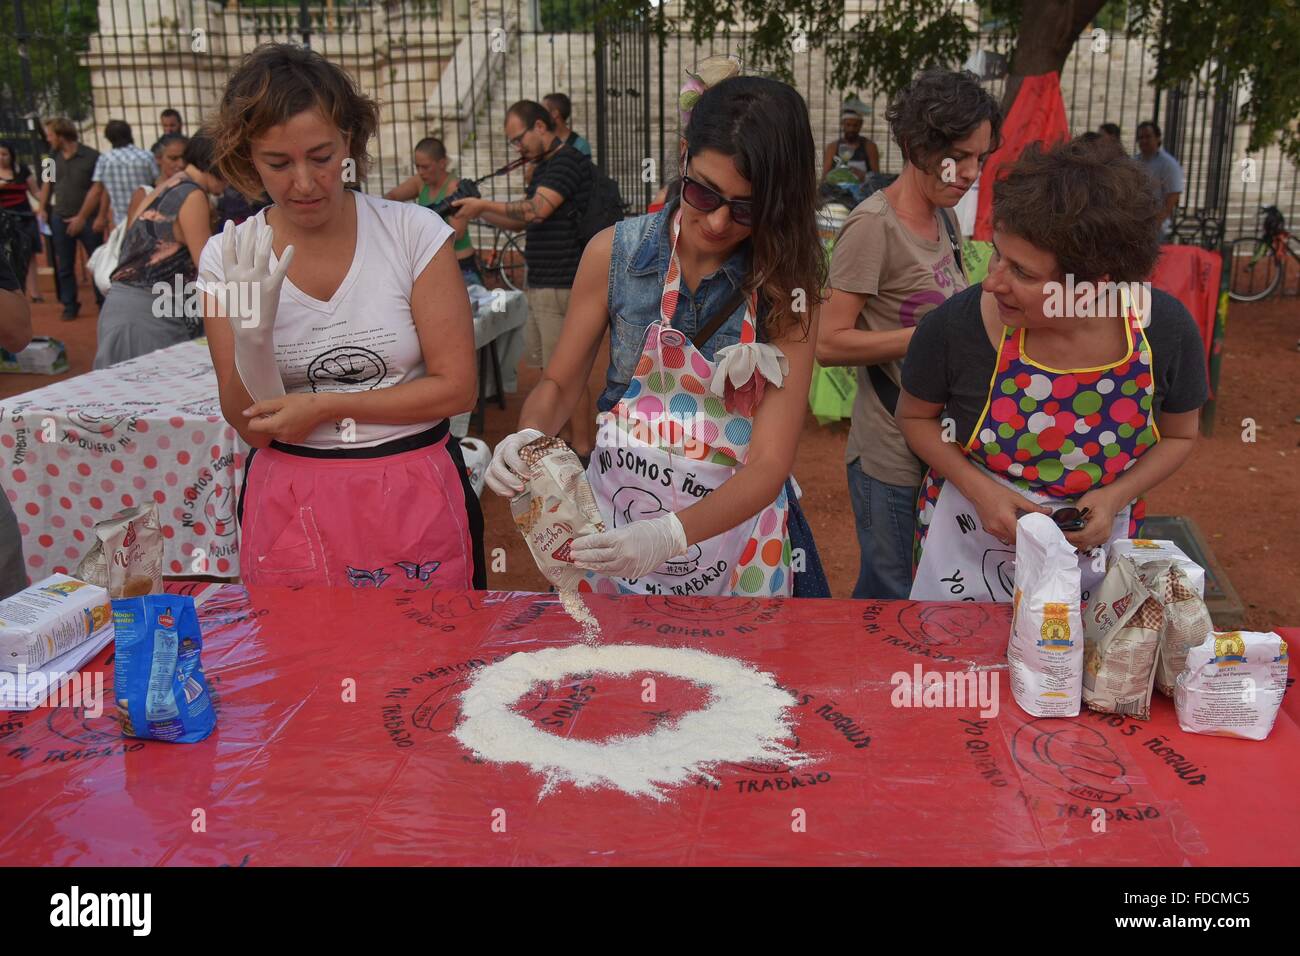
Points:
(562, 177)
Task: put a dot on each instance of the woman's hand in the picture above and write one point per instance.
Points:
(289, 418)
(631, 551)
(1103, 506)
(1000, 507)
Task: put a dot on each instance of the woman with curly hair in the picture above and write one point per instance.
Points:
(896, 258)
(711, 306)
(1070, 386)
(342, 339)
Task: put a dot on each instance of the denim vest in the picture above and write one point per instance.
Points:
(638, 263)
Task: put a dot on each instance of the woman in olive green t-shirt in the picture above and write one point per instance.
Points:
(429, 186)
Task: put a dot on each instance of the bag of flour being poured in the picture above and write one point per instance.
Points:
(1046, 649)
(556, 506)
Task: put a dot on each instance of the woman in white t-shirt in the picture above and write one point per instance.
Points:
(343, 341)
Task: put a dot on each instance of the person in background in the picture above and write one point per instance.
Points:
(895, 259)
(171, 124)
(711, 341)
(1165, 172)
(171, 160)
(118, 173)
(553, 249)
(560, 108)
(1112, 132)
(15, 333)
(1087, 403)
(163, 241)
(69, 205)
(855, 152)
(430, 185)
(17, 184)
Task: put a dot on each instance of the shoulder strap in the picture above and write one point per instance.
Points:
(952, 239)
(715, 323)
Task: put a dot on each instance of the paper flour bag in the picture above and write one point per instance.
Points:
(1232, 685)
(1143, 550)
(556, 506)
(1046, 648)
(127, 557)
(48, 619)
(1121, 640)
(1187, 620)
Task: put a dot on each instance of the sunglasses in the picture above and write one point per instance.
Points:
(706, 199)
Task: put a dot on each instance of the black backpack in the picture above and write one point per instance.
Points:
(604, 206)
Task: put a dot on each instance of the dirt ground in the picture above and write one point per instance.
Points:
(1243, 495)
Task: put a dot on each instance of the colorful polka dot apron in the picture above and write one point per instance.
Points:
(669, 442)
(1050, 434)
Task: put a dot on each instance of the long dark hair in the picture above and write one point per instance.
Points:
(21, 172)
(763, 125)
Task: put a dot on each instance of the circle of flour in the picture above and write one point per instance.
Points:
(744, 721)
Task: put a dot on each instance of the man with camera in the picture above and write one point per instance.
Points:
(562, 177)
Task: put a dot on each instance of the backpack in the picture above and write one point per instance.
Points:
(604, 206)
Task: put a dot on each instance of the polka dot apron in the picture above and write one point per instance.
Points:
(669, 442)
(1053, 435)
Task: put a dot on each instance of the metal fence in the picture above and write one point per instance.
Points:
(450, 68)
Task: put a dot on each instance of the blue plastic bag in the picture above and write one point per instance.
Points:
(157, 677)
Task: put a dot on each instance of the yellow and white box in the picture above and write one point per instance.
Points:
(50, 618)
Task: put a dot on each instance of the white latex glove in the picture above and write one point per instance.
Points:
(631, 551)
(251, 298)
(506, 474)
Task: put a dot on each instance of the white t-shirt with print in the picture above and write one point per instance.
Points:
(364, 337)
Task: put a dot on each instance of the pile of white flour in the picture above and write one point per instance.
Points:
(745, 719)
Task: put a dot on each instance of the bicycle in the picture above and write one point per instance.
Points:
(1256, 262)
(503, 264)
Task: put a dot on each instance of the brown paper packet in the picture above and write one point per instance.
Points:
(555, 507)
(1121, 640)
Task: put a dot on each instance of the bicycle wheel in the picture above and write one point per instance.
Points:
(509, 262)
(1254, 269)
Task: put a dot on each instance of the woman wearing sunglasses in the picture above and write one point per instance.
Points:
(1067, 391)
(711, 307)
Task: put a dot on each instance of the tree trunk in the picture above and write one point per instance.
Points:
(1048, 30)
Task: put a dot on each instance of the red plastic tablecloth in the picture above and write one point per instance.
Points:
(294, 774)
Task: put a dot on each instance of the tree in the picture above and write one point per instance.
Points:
(1227, 41)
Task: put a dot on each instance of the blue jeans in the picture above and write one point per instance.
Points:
(885, 516)
(65, 255)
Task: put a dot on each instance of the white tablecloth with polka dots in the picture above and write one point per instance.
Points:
(150, 429)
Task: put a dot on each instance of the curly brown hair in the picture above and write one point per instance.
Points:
(1088, 204)
(937, 109)
(275, 82)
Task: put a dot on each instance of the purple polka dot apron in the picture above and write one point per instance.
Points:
(1052, 435)
(676, 436)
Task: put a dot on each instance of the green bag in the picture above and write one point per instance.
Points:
(832, 393)
(975, 256)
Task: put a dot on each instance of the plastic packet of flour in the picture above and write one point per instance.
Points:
(50, 618)
(555, 507)
(128, 555)
(158, 678)
(1046, 648)
(1187, 619)
(1232, 685)
(1121, 630)
(1144, 550)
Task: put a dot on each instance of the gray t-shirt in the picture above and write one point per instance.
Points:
(1167, 176)
(904, 277)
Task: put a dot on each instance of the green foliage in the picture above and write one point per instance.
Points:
(57, 37)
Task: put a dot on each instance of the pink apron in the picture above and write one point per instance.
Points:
(396, 521)
(669, 442)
